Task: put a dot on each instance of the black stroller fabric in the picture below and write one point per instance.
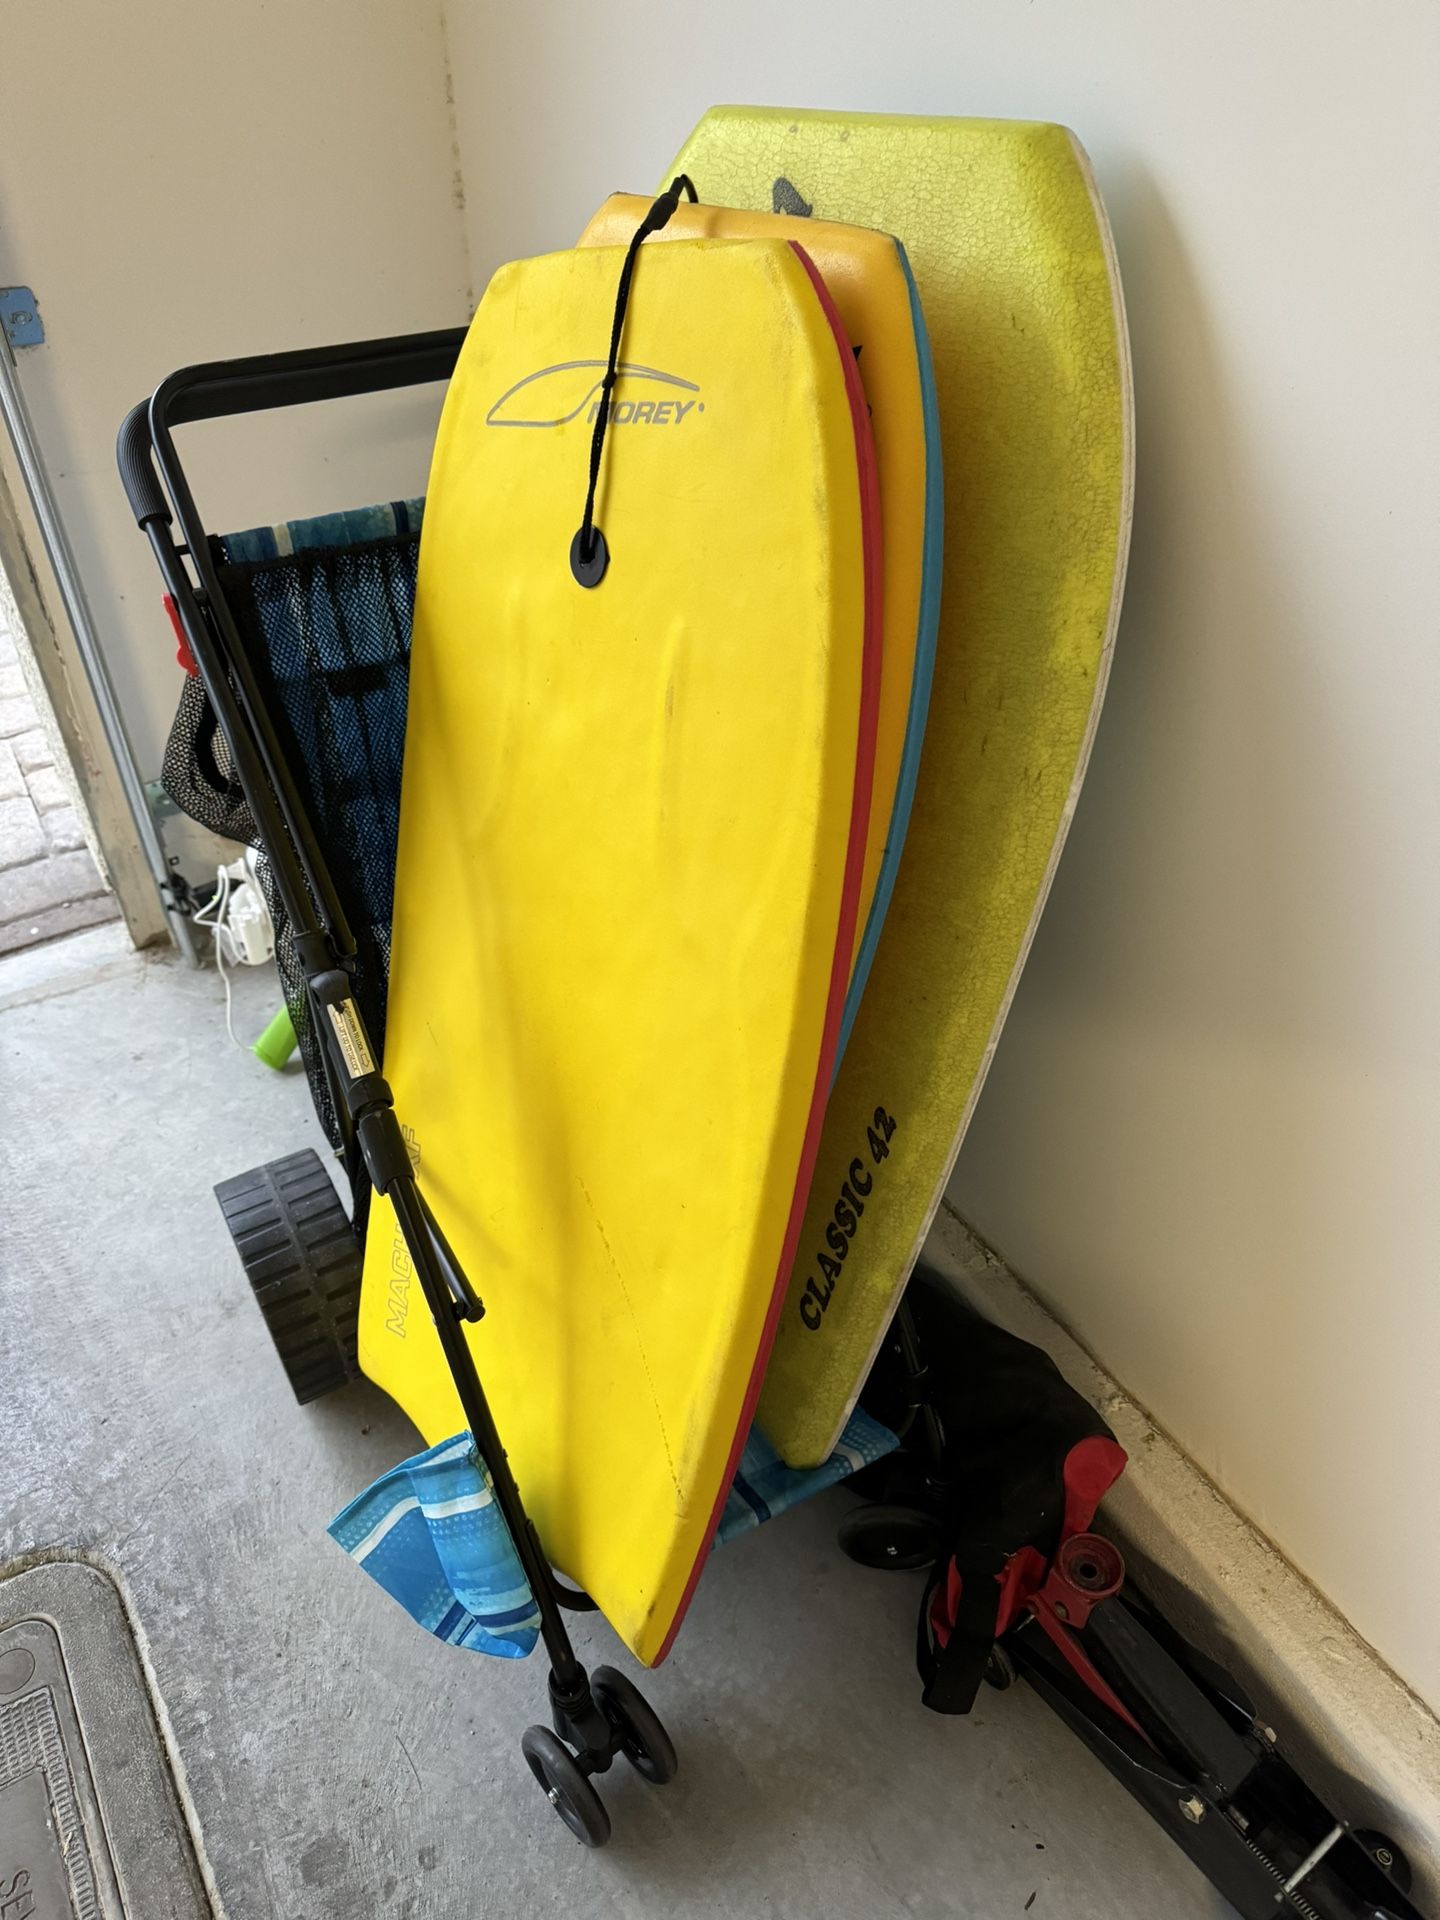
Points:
(198, 773)
(326, 630)
(1023, 1463)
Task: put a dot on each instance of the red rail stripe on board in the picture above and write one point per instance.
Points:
(872, 642)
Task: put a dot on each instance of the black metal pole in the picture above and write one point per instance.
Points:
(405, 1198)
(249, 768)
(448, 1294)
(281, 781)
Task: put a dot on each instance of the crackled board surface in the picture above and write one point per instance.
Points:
(632, 832)
(870, 281)
(1012, 255)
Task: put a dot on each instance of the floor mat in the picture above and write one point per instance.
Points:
(90, 1820)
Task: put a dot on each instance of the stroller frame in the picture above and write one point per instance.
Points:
(609, 1717)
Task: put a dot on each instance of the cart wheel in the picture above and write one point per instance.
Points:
(891, 1538)
(1386, 1855)
(303, 1261)
(643, 1739)
(1000, 1670)
(567, 1787)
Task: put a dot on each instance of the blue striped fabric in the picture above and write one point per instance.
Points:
(324, 530)
(327, 606)
(430, 1533)
(765, 1486)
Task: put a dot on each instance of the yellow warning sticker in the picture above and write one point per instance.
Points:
(351, 1035)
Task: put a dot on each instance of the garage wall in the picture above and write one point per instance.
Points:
(1210, 1138)
(184, 182)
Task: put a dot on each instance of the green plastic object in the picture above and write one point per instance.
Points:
(277, 1042)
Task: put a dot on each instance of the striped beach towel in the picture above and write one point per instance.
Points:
(764, 1485)
(430, 1533)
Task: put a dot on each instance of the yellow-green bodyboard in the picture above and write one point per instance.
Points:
(1012, 255)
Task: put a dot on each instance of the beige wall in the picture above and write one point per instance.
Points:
(1210, 1139)
(183, 182)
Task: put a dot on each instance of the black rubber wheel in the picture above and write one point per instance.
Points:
(643, 1739)
(894, 1539)
(999, 1670)
(1386, 1855)
(303, 1262)
(566, 1785)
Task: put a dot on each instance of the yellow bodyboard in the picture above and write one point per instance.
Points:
(1012, 254)
(629, 849)
(869, 282)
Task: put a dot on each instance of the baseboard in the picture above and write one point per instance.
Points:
(1356, 1731)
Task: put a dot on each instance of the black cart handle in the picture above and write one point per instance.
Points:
(219, 388)
(135, 458)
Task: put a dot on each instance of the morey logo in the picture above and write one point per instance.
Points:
(553, 396)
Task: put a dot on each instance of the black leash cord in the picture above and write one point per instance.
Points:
(589, 555)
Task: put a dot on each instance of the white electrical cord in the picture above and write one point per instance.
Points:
(213, 916)
(238, 917)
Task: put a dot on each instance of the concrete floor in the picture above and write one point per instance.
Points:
(339, 1761)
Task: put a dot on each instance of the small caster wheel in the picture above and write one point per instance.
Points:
(566, 1785)
(1000, 1670)
(643, 1739)
(1386, 1855)
(890, 1538)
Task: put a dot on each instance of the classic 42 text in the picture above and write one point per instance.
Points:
(845, 1219)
